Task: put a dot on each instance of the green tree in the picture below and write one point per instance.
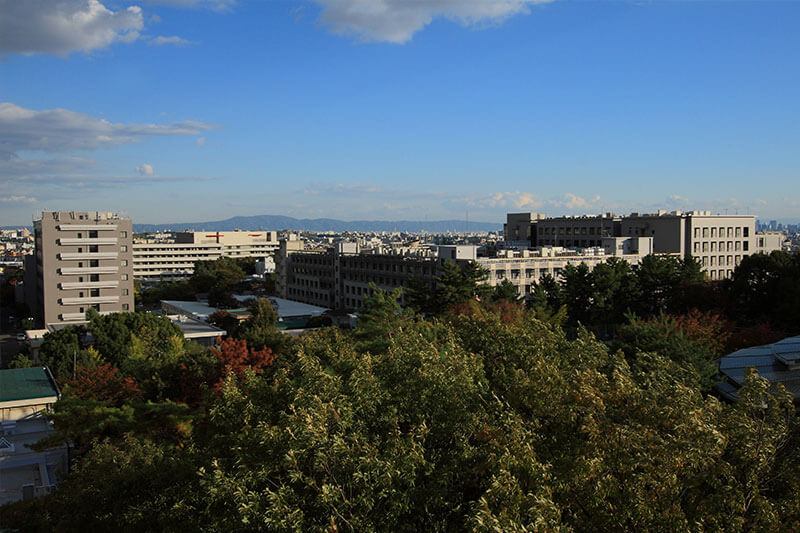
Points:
(505, 291)
(260, 329)
(578, 291)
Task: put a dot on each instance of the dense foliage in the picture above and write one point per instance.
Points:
(484, 418)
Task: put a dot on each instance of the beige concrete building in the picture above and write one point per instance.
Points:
(168, 261)
(525, 268)
(719, 242)
(82, 260)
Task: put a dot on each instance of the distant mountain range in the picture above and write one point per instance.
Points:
(277, 222)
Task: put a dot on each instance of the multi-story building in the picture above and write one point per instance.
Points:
(574, 232)
(719, 242)
(156, 260)
(525, 268)
(339, 277)
(82, 260)
(518, 226)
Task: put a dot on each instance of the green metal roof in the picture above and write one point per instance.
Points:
(25, 383)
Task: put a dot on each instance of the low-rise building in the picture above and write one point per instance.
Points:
(26, 394)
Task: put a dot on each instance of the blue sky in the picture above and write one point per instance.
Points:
(188, 110)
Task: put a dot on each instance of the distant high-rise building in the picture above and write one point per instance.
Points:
(82, 260)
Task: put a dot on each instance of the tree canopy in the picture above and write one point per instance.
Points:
(485, 418)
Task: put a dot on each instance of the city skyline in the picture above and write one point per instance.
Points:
(180, 110)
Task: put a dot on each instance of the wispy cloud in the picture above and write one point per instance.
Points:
(26, 131)
(216, 5)
(62, 130)
(17, 199)
(173, 40)
(396, 21)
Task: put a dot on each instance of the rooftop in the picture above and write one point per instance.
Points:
(778, 362)
(26, 383)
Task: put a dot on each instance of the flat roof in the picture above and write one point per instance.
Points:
(290, 308)
(193, 328)
(198, 309)
(286, 309)
(25, 384)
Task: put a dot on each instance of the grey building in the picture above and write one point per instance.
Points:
(339, 277)
(575, 232)
(82, 260)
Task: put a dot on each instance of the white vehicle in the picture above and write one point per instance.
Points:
(21, 337)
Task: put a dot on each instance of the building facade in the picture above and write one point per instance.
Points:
(340, 277)
(719, 242)
(82, 260)
(170, 261)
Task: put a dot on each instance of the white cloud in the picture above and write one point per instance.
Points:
(61, 130)
(572, 201)
(145, 170)
(18, 199)
(396, 21)
(174, 40)
(506, 200)
(63, 26)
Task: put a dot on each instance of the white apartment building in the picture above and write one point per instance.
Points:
(169, 261)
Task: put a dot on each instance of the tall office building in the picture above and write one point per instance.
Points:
(82, 260)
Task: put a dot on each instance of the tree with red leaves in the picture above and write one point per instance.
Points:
(102, 383)
(235, 356)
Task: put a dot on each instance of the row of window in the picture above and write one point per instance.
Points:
(721, 246)
(739, 231)
(722, 260)
(569, 231)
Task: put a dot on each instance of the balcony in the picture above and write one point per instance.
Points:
(87, 255)
(71, 317)
(89, 285)
(89, 300)
(87, 227)
(88, 270)
(87, 241)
